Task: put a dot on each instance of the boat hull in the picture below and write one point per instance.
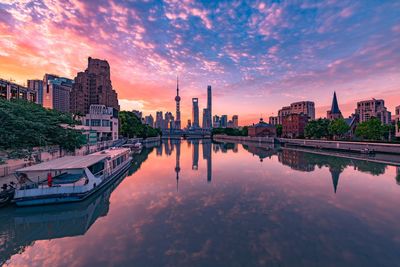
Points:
(68, 198)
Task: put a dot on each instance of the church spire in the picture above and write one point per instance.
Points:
(335, 106)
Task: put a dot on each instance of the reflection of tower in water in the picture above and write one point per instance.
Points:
(207, 146)
(195, 155)
(335, 172)
(398, 175)
(177, 165)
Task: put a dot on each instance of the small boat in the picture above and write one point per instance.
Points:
(70, 178)
(135, 148)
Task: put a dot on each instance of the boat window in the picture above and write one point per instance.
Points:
(97, 167)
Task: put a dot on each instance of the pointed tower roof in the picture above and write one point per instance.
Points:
(335, 107)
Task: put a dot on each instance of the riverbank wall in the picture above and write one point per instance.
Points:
(244, 139)
(343, 145)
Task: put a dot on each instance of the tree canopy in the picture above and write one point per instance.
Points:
(231, 131)
(372, 129)
(338, 127)
(131, 126)
(25, 125)
(317, 129)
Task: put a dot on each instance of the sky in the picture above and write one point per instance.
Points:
(257, 55)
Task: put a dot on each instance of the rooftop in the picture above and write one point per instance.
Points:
(65, 163)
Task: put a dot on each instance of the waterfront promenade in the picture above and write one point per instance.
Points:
(343, 145)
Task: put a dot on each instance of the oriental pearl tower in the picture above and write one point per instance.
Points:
(178, 109)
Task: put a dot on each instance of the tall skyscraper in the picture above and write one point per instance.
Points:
(205, 124)
(334, 113)
(159, 120)
(178, 108)
(209, 107)
(93, 86)
(223, 121)
(235, 121)
(195, 113)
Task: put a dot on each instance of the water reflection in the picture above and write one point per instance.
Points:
(230, 210)
(21, 227)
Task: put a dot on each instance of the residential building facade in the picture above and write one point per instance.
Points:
(93, 87)
(374, 108)
(103, 120)
(274, 120)
(303, 107)
(56, 93)
(293, 125)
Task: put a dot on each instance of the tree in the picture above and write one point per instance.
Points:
(231, 131)
(317, 129)
(338, 127)
(131, 126)
(279, 130)
(25, 125)
(371, 129)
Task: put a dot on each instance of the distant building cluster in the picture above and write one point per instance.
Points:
(169, 123)
(223, 122)
(295, 117)
(89, 95)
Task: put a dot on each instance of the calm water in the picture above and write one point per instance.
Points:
(202, 204)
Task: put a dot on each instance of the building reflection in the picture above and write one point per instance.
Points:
(21, 227)
(195, 155)
(207, 147)
(177, 144)
(261, 152)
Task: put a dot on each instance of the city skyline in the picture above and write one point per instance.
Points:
(258, 57)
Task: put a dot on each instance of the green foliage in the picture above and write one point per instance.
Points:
(371, 129)
(25, 125)
(317, 129)
(231, 131)
(131, 126)
(279, 130)
(338, 127)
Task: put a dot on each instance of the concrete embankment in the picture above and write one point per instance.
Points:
(343, 145)
(244, 139)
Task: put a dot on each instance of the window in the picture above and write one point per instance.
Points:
(96, 122)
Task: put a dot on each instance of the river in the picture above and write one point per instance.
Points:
(198, 203)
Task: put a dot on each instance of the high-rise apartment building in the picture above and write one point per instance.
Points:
(93, 86)
(159, 120)
(169, 121)
(56, 92)
(303, 107)
(283, 112)
(149, 120)
(223, 121)
(37, 85)
(235, 121)
(195, 113)
(373, 108)
(216, 121)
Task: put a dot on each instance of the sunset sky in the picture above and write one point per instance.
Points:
(257, 55)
